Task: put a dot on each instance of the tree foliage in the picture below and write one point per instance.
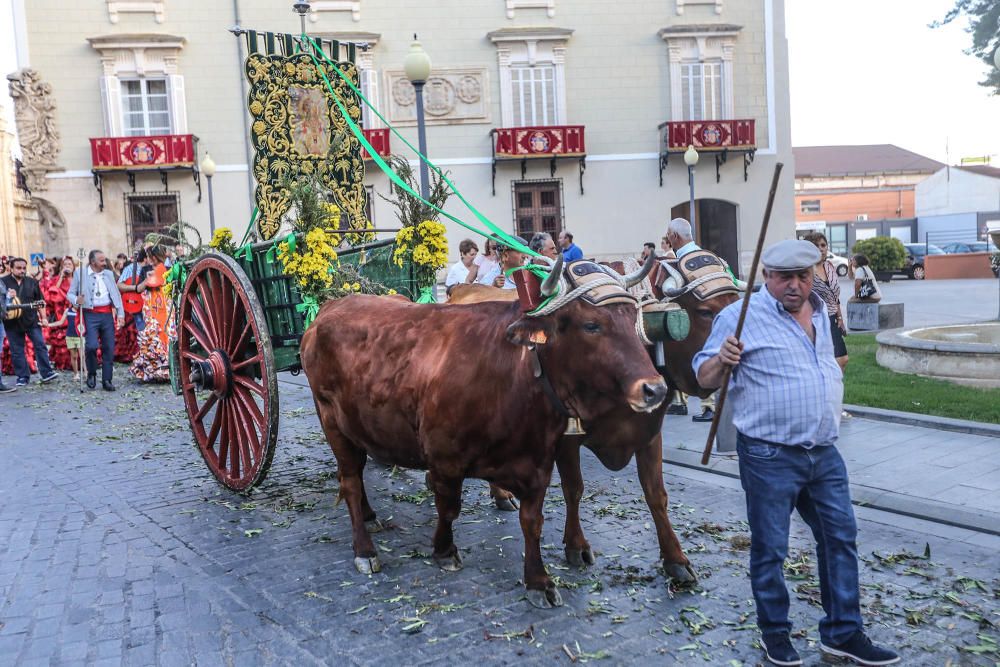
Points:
(884, 253)
(984, 26)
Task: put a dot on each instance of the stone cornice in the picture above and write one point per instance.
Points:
(529, 33)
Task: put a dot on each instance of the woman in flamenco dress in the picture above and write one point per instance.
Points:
(151, 363)
(54, 290)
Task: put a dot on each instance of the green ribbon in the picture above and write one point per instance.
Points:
(290, 240)
(427, 295)
(356, 131)
(309, 308)
(246, 234)
(244, 252)
(177, 273)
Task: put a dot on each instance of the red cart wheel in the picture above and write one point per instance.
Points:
(227, 372)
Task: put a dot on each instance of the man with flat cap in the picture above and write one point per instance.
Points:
(786, 391)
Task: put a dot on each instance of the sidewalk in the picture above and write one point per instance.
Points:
(913, 469)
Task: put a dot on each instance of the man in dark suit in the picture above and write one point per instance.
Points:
(25, 288)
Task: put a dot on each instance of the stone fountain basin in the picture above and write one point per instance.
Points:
(966, 354)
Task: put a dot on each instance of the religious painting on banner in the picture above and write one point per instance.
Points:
(297, 130)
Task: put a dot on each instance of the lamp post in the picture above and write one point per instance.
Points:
(208, 169)
(691, 159)
(417, 66)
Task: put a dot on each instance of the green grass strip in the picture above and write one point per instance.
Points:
(866, 383)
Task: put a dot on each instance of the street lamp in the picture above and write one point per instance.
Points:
(691, 159)
(208, 168)
(417, 66)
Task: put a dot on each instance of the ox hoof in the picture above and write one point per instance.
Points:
(546, 599)
(374, 526)
(368, 565)
(580, 557)
(681, 573)
(450, 562)
(505, 504)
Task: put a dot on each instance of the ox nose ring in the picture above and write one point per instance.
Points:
(654, 394)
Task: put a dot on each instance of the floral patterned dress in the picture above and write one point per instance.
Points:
(151, 363)
(54, 290)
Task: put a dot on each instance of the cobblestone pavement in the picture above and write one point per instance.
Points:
(118, 547)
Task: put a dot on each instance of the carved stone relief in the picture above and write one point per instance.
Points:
(53, 227)
(158, 8)
(451, 96)
(318, 6)
(35, 114)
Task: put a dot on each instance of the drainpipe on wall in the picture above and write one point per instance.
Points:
(243, 97)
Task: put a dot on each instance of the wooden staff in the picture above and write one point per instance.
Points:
(724, 387)
(80, 327)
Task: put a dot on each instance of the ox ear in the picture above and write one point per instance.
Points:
(530, 331)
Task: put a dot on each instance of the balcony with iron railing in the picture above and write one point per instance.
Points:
(162, 153)
(718, 137)
(551, 142)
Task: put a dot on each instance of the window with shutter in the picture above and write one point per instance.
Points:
(538, 207)
(145, 107)
(534, 95)
(701, 90)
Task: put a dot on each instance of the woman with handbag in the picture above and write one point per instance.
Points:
(865, 285)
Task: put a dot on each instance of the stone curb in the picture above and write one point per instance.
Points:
(925, 421)
(980, 521)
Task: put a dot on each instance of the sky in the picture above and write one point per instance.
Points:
(861, 72)
(873, 72)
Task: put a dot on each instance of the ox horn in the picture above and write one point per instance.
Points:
(741, 285)
(633, 279)
(674, 292)
(551, 283)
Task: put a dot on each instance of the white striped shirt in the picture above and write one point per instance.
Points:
(785, 390)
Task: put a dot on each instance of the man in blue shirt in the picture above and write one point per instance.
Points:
(680, 237)
(786, 391)
(571, 251)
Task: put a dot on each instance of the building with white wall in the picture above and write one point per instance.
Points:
(611, 95)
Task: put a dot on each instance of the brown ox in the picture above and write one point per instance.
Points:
(619, 434)
(391, 379)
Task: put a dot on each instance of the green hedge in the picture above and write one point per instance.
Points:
(884, 253)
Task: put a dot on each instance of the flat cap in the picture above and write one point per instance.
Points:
(790, 255)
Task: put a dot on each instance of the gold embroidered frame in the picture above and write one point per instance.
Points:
(285, 123)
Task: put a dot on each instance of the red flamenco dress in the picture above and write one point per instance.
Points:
(54, 290)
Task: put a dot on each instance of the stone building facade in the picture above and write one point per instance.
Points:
(547, 113)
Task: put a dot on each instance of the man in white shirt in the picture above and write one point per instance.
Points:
(509, 259)
(464, 270)
(98, 301)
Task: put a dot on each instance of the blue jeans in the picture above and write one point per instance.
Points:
(777, 479)
(100, 326)
(140, 321)
(20, 359)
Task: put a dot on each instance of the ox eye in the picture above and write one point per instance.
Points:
(592, 327)
(705, 312)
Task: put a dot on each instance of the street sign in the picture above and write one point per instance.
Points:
(37, 257)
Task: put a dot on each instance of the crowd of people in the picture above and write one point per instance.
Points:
(62, 315)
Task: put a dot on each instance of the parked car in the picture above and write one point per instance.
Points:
(915, 253)
(975, 246)
(842, 264)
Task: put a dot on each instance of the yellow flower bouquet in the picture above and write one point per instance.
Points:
(426, 246)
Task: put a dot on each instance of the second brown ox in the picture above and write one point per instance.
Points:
(396, 380)
(619, 434)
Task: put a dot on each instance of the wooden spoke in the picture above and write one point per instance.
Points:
(187, 354)
(206, 406)
(247, 362)
(207, 309)
(237, 350)
(249, 384)
(199, 336)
